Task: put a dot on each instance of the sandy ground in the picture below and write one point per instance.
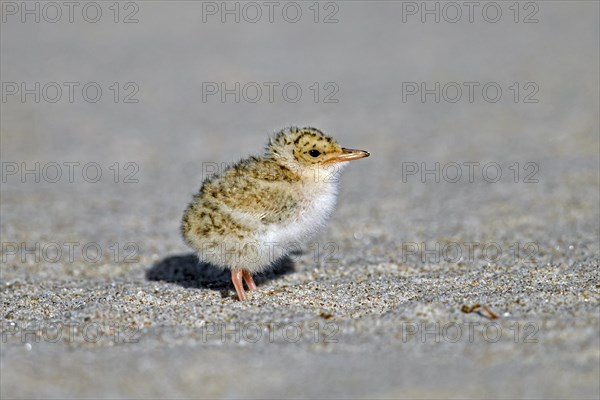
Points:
(101, 298)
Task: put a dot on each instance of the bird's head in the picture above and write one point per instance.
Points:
(309, 148)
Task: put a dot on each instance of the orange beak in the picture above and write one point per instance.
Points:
(348, 155)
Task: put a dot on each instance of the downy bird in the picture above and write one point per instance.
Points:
(245, 217)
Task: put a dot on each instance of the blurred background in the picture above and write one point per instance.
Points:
(152, 93)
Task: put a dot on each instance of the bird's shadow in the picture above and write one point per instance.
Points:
(188, 271)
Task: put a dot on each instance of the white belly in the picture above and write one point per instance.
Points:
(312, 215)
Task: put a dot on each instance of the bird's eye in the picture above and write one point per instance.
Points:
(314, 153)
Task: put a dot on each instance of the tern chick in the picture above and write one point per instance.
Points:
(245, 217)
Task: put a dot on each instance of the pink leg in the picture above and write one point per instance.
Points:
(249, 281)
(236, 278)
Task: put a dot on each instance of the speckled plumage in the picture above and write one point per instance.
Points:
(245, 218)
